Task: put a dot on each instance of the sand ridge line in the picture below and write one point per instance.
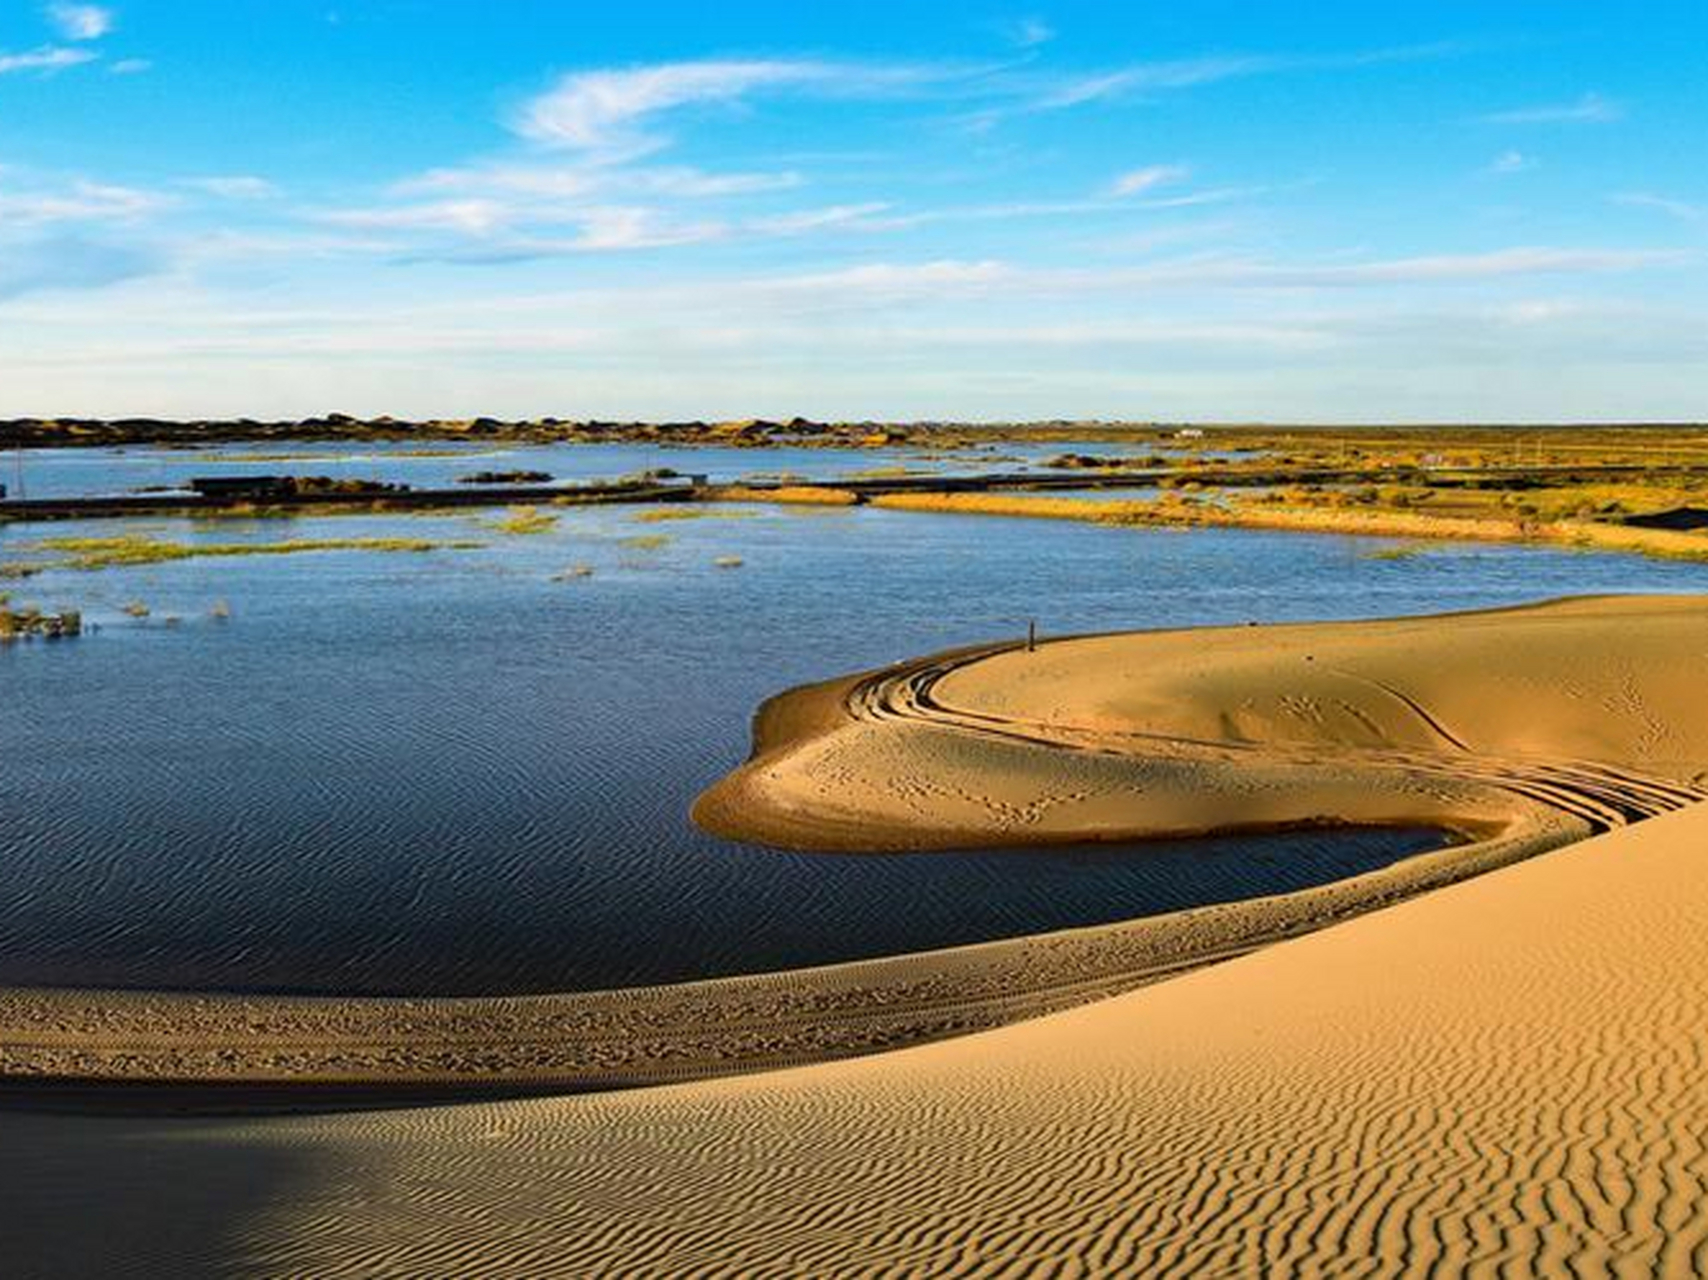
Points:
(1506, 1078)
(1604, 795)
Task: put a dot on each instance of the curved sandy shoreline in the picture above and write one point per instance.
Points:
(1474, 721)
(1141, 734)
(1508, 1077)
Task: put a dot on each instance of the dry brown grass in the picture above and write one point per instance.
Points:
(1371, 520)
(137, 549)
(804, 495)
(524, 521)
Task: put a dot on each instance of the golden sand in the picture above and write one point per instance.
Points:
(1505, 1075)
(1509, 1076)
(1494, 722)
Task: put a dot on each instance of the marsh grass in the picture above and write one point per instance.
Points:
(1021, 504)
(799, 495)
(524, 521)
(138, 549)
(660, 515)
(29, 622)
(1186, 512)
(646, 541)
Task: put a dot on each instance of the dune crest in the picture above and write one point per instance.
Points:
(1480, 722)
(1506, 1077)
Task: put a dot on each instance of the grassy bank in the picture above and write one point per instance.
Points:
(137, 549)
(1184, 513)
(802, 495)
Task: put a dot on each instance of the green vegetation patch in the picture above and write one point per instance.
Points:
(526, 520)
(135, 549)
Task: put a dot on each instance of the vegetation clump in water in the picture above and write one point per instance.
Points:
(505, 477)
(659, 515)
(29, 622)
(526, 520)
(135, 549)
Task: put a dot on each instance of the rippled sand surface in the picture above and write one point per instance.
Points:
(1509, 1076)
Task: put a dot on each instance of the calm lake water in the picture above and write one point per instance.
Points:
(448, 772)
(61, 473)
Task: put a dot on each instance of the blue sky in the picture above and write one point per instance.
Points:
(1334, 212)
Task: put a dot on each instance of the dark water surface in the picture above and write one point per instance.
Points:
(448, 773)
(428, 464)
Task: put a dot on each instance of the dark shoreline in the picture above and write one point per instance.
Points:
(798, 432)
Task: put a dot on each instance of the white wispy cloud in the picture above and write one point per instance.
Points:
(607, 110)
(1026, 33)
(48, 58)
(470, 217)
(130, 66)
(1179, 74)
(519, 212)
(1136, 181)
(1190, 199)
(81, 21)
(493, 231)
(941, 277)
(614, 112)
(81, 201)
(1591, 108)
(1511, 161)
(1452, 268)
(803, 220)
(583, 180)
(623, 228)
(233, 186)
(1185, 73)
(1683, 210)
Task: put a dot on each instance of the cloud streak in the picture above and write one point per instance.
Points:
(1683, 210)
(1026, 33)
(81, 21)
(1511, 161)
(83, 201)
(610, 110)
(1137, 181)
(1186, 73)
(233, 186)
(1591, 108)
(48, 58)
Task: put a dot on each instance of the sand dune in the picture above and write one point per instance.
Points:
(1506, 1076)
(1474, 720)
(1522, 729)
